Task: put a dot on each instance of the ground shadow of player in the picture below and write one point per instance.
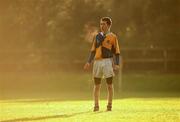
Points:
(46, 117)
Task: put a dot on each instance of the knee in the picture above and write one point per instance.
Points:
(110, 87)
(97, 87)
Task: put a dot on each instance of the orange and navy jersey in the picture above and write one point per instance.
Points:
(105, 46)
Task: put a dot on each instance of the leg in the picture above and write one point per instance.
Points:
(96, 93)
(110, 89)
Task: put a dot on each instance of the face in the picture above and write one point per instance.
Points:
(104, 27)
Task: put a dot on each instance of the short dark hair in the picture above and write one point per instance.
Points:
(107, 19)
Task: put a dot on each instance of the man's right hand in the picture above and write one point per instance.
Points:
(87, 66)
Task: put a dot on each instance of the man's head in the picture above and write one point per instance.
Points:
(105, 24)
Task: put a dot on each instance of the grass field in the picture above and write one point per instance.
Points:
(67, 97)
(124, 110)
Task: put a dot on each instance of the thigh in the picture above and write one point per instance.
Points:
(109, 80)
(97, 81)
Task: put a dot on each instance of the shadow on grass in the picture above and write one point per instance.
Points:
(45, 117)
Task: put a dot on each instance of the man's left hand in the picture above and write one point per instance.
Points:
(116, 67)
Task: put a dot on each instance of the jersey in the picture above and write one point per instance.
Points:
(105, 46)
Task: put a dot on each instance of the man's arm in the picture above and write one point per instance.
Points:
(91, 55)
(116, 54)
(116, 60)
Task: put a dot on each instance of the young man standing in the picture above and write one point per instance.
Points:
(105, 53)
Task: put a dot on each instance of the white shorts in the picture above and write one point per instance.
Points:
(103, 67)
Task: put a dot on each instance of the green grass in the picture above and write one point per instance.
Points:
(124, 110)
(67, 97)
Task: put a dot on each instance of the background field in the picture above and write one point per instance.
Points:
(78, 85)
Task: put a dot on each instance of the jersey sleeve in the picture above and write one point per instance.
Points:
(117, 51)
(93, 48)
(92, 51)
(116, 45)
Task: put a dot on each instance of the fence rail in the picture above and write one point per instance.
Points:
(131, 59)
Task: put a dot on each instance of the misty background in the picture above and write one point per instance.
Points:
(45, 43)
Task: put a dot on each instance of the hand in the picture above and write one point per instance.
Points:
(87, 66)
(116, 67)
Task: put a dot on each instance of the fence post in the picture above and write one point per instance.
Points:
(118, 77)
(120, 74)
(165, 59)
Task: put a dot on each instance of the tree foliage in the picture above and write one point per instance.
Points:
(60, 24)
